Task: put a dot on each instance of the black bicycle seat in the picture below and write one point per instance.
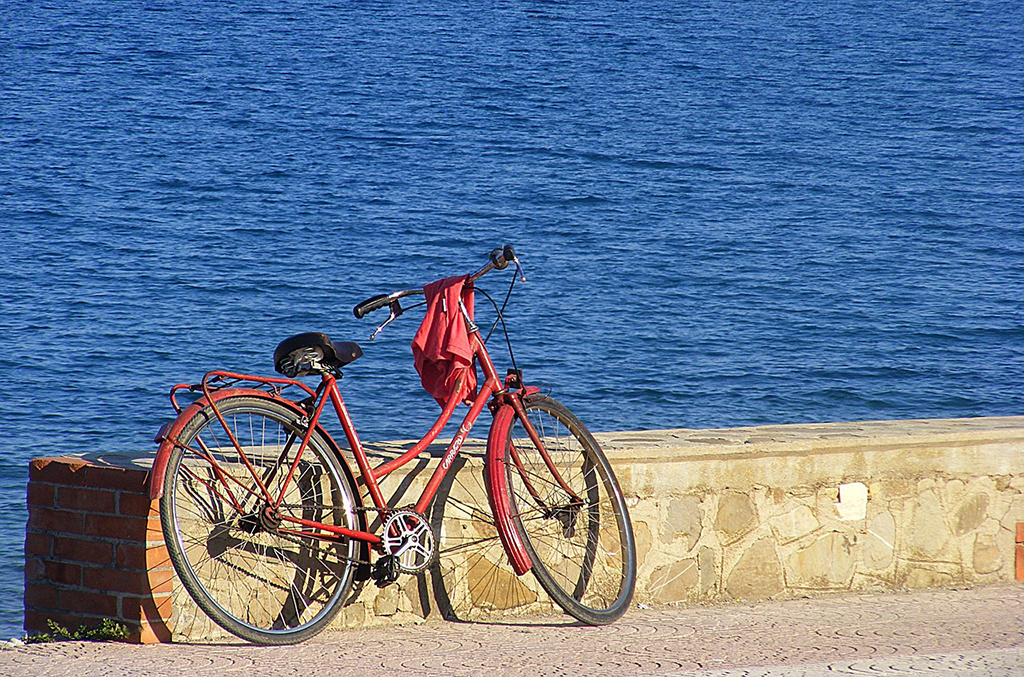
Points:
(313, 353)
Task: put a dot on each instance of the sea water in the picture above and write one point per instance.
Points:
(728, 213)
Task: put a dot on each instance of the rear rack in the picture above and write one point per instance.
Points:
(214, 381)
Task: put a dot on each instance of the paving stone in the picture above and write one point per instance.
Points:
(971, 514)
(675, 582)
(644, 539)
(708, 570)
(928, 536)
(878, 541)
(794, 524)
(683, 520)
(944, 632)
(986, 554)
(853, 501)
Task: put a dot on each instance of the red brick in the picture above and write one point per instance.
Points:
(63, 572)
(139, 557)
(112, 580)
(40, 596)
(153, 609)
(92, 603)
(132, 582)
(83, 550)
(1020, 532)
(38, 544)
(48, 519)
(35, 568)
(35, 620)
(138, 505)
(58, 470)
(131, 556)
(1020, 562)
(121, 479)
(79, 473)
(151, 633)
(41, 494)
(89, 500)
(38, 621)
(161, 584)
(117, 526)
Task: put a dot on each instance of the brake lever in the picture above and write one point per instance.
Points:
(395, 310)
(519, 269)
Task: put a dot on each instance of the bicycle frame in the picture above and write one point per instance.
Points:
(493, 390)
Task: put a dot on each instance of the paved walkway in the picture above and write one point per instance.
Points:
(967, 632)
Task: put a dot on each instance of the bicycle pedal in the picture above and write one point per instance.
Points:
(385, 571)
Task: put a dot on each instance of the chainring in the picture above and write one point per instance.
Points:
(408, 536)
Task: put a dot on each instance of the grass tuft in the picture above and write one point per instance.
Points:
(108, 630)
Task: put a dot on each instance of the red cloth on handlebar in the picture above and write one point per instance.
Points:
(441, 348)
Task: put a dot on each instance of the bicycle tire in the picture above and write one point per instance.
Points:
(583, 555)
(259, 582)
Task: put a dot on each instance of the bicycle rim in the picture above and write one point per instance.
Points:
(261, 578)
(580, 543)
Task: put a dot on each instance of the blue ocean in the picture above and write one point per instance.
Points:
(728, 213)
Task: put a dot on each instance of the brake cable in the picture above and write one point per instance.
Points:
(501, 318)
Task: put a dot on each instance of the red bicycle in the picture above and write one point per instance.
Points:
(268, 532)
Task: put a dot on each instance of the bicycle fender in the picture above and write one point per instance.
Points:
(168, 435)
(497, 492)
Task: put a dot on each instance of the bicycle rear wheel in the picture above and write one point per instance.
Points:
(570, 513)
(256, 574)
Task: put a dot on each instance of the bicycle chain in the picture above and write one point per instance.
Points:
(308, 506)
(300, 541)
(315, 506)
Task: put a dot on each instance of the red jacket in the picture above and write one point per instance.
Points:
(441, 348)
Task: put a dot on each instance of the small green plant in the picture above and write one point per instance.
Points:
(108, 630)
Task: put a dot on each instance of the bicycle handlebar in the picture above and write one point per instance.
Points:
(499, 260)
(371, 304)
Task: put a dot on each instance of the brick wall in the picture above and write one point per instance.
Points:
(1019, 552)
(94, 549)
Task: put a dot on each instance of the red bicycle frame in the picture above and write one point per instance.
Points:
(499, 394)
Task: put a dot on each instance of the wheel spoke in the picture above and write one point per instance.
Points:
(473, 578)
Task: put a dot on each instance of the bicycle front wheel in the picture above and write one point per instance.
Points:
(248, 564)
(570, 513)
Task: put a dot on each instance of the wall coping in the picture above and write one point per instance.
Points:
(807, 438)
(695, 444)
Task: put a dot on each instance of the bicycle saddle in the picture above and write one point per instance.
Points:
(313, 353)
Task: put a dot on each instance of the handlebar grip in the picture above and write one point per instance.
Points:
(371, 304)
(501, 257)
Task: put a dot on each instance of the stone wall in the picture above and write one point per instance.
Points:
(720, 515)
(782, 511)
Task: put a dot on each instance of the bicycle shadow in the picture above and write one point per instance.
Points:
(471, 580)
